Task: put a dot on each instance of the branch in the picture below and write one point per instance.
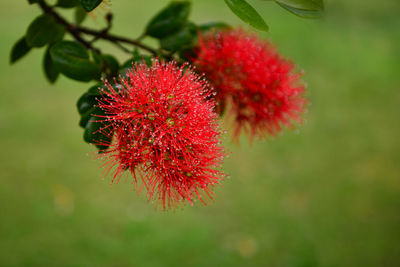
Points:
(115, 39)
(76, 32)
(70, 28)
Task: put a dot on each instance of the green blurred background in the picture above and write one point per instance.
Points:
(325, 195)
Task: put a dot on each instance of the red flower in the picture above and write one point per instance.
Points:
(252, 79)
(165, 130)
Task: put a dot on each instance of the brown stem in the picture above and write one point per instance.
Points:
(69, 27)
(76, 32)
(115, 39)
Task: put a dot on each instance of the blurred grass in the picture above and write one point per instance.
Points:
(326, 195)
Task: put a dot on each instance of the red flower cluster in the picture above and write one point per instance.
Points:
(252, 79)
(165, 130)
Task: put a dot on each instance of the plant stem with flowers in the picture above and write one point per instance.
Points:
(154, 116)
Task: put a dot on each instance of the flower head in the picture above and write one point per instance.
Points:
(165, 130)
(252, 80)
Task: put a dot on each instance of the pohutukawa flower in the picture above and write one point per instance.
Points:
(165, 130)
(260, 88)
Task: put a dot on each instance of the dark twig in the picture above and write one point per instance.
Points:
(76, 32)
(69, 27)
(115, 39)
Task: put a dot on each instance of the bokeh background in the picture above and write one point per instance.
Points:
(327, 194)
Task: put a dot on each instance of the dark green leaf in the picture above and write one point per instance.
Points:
(247, 13)
(72, 60)
(33, 1)
(94, 132)
(19, 50)
(103, 148)
(43, 30)
(92, 118)
(303, 4)
(169, 20)
(304, 13)
(112, 65)
(89, 5)
(50, 69)
(179, 40)
(89, 99)
(67, 3)
(97, 90)
(96, 57)
(80, 14)
(91, 112)
(86, 102)
(85, 117)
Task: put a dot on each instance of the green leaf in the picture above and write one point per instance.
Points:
(88, 99)
(89, 5)
(179, 40)
(112, 65)
(303, 4)
(67, 3)
(92, 118)
(247, 13)
(304, 13)
(109, 65)
(79, 14)
(72, 60)
(50, 69)
(87, 105)
(86, 102)
(92, 112)
(169, 20)
(85, 117)
(96, 57)
(303, 8)
(33, 1)
(19, 50)
(43, 30)
(95, 89)
(94, 132)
